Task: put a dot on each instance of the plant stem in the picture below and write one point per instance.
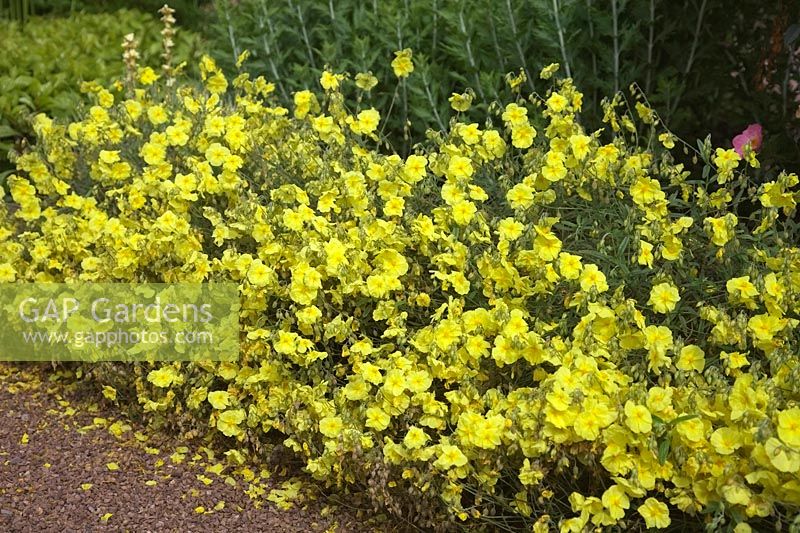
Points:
(231, 35)
(556, 9)
(435, 28)
(305, 33)
(690, 61)
(432, 104)
(650, 45)
(591, 39)
(615, 17)
(470, 57)
(519, 48)
(696, 38)
(268, 49)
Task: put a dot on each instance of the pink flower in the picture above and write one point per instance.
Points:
(752, 135)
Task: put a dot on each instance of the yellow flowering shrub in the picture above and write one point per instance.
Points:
(522, 322)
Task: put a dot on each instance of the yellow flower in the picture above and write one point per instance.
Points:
(726, 160)
(153, 153)
(668, 140)
(415, 438)
(783, 458)
(593, 278)
(217, 84)
(219, 399)
(157, 114)
(463, 211)
(741, 287)
(419, 381)
(147, 76)
(765, 327)
(366, 81)
(645, 191)
(580, 146)
(460, 167)
(510, 229)
(367, 121)
(522, 135)
(789, 426)
(726, 440)
(547, 72)
(392, 262)
(414, 168)
(690, 358)
(721, 229)
(461, 102)
(330, 81)
(557, 103)
(663, 297)
(163, 377)
(693, 430)
(736, 494)
(515, 114)
(394, 207)
(285, 343)
(655, 513)
(216, 154)
(520, 196)
(260, 274)
(637, 418)
(645, 254)
(7, 273)
(569, 265)
(377, 419)
(450, 456)
(615, 500)
(402, 64)
(395, 383)
(228, 422)
(547, 246)
(331, 426)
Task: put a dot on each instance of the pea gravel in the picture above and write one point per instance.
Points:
(56, 478)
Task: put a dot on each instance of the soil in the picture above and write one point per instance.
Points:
(63, 468)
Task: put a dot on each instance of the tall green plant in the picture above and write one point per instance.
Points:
(682, 53)
(19, 10)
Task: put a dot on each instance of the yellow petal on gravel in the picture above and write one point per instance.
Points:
(106, 516)
(216, 469)
(112, 466)
(87, 486)
(24, 439)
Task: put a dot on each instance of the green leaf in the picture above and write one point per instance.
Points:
(663, 450)
(683, 418)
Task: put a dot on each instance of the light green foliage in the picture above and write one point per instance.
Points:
(44, 61)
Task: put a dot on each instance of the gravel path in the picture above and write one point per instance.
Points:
(68, 466)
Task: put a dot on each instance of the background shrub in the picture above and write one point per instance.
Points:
(707, 67)
(45, 59)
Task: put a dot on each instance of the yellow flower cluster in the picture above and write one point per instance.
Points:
(555, 324)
